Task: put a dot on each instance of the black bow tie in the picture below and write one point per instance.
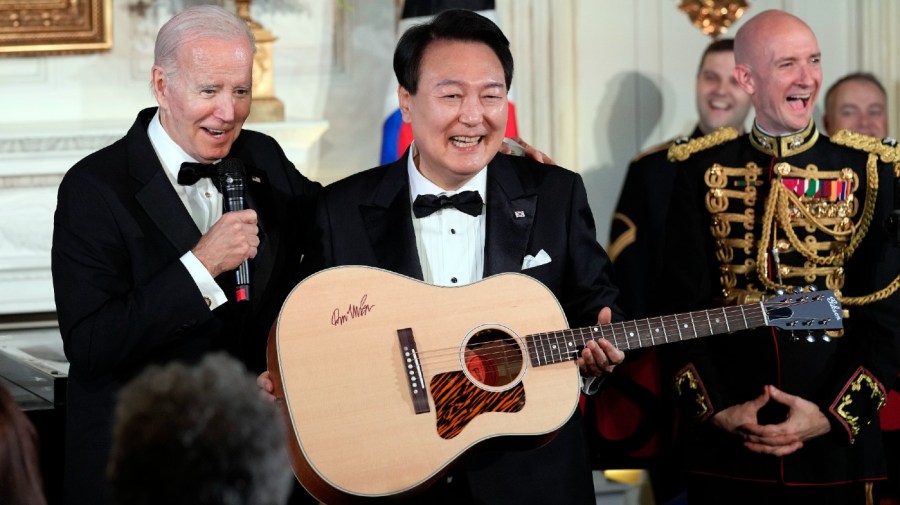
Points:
(191, 172)
(469, 202)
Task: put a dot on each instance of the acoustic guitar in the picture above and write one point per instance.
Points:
(385, 381)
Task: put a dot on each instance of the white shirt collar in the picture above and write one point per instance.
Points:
(170, 154)
(419, 185)
(760, 128)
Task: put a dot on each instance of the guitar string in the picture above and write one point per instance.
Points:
(499, 351)
(671, 327)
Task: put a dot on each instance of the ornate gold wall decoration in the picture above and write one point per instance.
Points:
(47, 27)
(713, 17)
(266, 107)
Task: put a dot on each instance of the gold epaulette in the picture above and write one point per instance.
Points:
(886, 149)
(655, 149)
(681, 152)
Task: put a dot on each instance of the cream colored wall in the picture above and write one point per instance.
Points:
(54, 110)
(632, 77)
(113, 85)
(604, 78)
(596, 82)
(876, 51)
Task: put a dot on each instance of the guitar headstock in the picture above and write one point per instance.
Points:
(813, 310)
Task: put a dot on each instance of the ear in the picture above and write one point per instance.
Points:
(744, 77)
(403, 96)
(160, 84)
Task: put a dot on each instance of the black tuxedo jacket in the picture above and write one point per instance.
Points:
(366, 219)
(124, 300)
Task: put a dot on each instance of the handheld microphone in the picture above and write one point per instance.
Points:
(231, 176)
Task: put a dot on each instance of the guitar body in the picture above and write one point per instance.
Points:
(385, 381)
(348, 389)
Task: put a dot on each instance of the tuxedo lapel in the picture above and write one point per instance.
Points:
(510, 216)
(155, 193)
(388, 220)
(167, 211)
(161, 203)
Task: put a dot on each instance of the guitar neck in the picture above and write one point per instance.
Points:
(563, 345)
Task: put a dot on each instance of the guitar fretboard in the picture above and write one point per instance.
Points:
(563, 345)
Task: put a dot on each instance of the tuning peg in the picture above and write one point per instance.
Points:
(779, 291)
(798, 289)
(826, 338)
(812, 288)
(810, 338)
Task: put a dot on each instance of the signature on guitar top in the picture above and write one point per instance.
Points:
(436, 370)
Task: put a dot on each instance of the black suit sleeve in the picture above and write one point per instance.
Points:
(588, 276)
(107, 316)
(123, 296)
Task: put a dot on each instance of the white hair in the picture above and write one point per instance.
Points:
(197, 23)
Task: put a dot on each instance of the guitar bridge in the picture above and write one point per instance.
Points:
(413, 370)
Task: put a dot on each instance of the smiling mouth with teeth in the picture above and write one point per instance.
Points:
(465, 141)
(215, 133)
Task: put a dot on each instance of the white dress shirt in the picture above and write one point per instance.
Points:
(450, 243)
(202, 200)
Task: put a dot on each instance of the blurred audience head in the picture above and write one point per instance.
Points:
(720, 100)
(198, 435)
(857, 102)
(20, 473)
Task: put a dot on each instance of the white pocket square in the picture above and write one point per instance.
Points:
(541, 258)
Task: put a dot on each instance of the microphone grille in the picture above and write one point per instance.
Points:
(230, 166)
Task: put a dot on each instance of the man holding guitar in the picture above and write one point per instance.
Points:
(452, 211)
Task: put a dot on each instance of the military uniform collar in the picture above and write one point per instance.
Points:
(784, 145)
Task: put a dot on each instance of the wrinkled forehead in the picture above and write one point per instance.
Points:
(787, 39)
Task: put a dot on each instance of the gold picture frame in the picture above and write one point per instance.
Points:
(51, 27)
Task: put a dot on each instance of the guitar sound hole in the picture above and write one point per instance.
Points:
(493, 358)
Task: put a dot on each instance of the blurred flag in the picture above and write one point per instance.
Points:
(397, 135)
